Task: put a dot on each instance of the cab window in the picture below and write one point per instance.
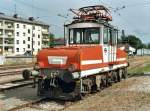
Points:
(84, 36)
(109, 36)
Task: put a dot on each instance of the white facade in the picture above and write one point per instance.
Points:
(25, 36)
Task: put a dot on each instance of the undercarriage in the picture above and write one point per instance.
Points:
(57, 87)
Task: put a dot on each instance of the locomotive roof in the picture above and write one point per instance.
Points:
(104, 23)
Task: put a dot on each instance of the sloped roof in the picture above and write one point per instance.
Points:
(24, 20)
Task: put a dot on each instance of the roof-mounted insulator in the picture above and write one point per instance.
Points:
(98, 12)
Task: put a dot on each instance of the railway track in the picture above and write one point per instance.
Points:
(13, 72)
(43, 104)
(15, 84)
(10, 73)
(16, 66)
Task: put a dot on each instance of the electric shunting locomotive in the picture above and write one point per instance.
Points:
(89, 60)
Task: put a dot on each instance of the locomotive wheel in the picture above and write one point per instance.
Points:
(103, 83)
(124, 73)
(109, 81)
(93, 88)
(119, 75)
(26, 74)
(114, 76)
(67, 87)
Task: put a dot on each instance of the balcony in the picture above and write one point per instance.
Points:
(9, 45)
(45, 39)
(9, 25)
(9, 37)
(45, 46)
(45, 32)
(9, 34)
(1, 36)
(1, 26)
(9, 42)
(9, 28)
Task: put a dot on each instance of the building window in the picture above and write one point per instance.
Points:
(33, 42)
(24, 42)
(28, 46)
(29, 31)
(38, 42)
(33, 35)
(28, 38)
(17, 41)
(17, 33)
(17, 25)
(24, 34)
(38, 36)
(24, 49)
(24, 26)
(17, 49)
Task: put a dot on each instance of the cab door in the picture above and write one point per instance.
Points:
(109, 45)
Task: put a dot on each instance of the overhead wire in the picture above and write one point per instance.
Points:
(117, 9)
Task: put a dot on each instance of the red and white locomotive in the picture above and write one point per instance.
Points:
(90, 59)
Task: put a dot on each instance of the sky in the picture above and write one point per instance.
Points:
(134, 18)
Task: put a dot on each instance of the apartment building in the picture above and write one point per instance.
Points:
(19, 35)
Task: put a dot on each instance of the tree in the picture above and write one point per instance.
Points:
(51, 38)
(148, 45)
(133, 41)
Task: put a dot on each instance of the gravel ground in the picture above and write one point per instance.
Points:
(138, 61)
(45, 106)
(11, 98)
(132, 94)
(129, 95)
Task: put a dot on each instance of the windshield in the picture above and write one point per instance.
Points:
(84, 36)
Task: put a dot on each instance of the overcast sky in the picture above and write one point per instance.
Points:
(134, 19)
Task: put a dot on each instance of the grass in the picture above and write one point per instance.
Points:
(139, 70)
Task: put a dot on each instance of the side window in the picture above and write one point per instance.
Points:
(105, 38)
(71, 36)
(114, 36)
(77, 37)
(110, 37)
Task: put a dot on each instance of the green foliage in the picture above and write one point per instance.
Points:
(141, 69)
(148, 45)
(133, 41)
(51, 37)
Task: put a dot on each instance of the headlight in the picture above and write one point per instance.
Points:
(72, 67)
